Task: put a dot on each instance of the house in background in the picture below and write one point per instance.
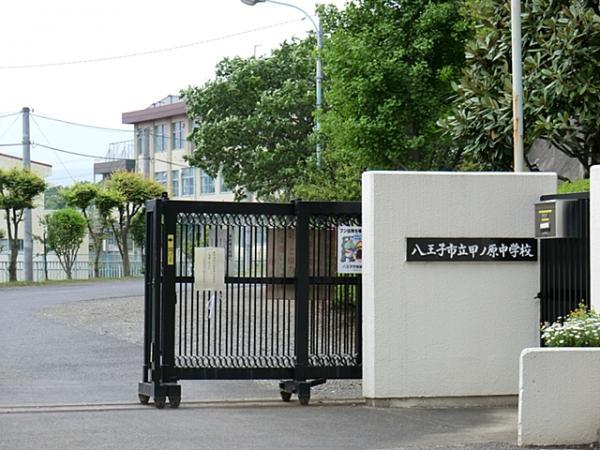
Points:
(159, 148)
(44, 170)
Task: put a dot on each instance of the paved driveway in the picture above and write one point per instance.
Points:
(48, 361)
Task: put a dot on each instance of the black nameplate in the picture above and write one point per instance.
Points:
(471, 249)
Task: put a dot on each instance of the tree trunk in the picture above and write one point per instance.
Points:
(13, 239)
(45, 259)
(125, 254)
(12, 267)
(97, 263)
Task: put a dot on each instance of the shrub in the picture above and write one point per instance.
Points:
(581, 328)
(574, 186)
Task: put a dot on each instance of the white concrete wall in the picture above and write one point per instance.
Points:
(595, 237)
(446, 329)
(559, 398)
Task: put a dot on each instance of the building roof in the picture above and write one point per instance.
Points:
(4, 155)
(167, 107)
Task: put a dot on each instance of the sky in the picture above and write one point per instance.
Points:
(43, 33)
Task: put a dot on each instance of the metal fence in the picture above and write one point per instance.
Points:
(285, 312)
(82, 270)
(565, 262)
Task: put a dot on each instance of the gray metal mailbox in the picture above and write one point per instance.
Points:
(552, 219)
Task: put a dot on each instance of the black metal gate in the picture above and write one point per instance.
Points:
(285, 313)
(565, 262)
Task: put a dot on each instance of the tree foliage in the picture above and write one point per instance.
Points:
(66, 230)
(83, 197)
(54, 198)
(18, 190)
(124, 194)
(561, 63)
(389, 66)
(254, 120)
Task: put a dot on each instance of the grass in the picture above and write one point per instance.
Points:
(10, 284)
(574, 186)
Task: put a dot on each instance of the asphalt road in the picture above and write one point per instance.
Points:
(47, 363)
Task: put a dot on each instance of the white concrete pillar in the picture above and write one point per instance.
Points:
(446, 330)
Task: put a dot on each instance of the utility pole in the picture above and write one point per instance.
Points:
(517, 82)
(28, 237)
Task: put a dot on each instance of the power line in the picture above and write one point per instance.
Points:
(85, 125)
(7, 114)
(10, 126)
(55, 152)
(147, 52)
(99, 157)
(36, 144)
(11, 145)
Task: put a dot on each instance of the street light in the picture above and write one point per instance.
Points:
(319, 75)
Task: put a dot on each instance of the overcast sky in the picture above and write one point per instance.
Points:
(38, 32)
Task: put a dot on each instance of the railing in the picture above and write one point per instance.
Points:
(82, 270)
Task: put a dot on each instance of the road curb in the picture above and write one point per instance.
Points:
(99, 407)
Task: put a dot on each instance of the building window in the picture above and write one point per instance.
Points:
(142, 141)
(5, 245)
(207, 183)
(224, 187)
(175, 183)
(187, 181)
(177, 137)
(160, 140)
(161, 178)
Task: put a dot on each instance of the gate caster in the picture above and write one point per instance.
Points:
(160, 402)
(144, 399)
(285, 396)
(174, 401)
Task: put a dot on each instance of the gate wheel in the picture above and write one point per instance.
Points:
(174, 401)
(144, 399)
(160, 402)
(285, 396)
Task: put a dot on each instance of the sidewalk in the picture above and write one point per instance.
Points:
(267, 426)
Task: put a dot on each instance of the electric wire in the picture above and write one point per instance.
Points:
(57, 154)
(9, 127)
(147, 52)
(78, 124)
(110, 158)
(8, 114)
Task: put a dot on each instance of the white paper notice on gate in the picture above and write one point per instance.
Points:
(209, 269)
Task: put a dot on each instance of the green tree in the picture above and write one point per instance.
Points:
(54, 198)
(18, 189)
(124, 194)
(254, 120)
(561, 63)
(138, 229)
(43, 239)
(83, 196)
(66, 230)
(389, 65)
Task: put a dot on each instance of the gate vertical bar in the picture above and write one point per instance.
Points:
(302, 288)
(148, 287)
(157, 244)
(169, 295)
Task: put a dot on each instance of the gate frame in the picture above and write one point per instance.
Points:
(160, 374)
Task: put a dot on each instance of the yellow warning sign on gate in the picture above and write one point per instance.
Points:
(170, 249)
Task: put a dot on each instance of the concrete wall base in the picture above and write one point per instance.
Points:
(444, 402)
(559, 402)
